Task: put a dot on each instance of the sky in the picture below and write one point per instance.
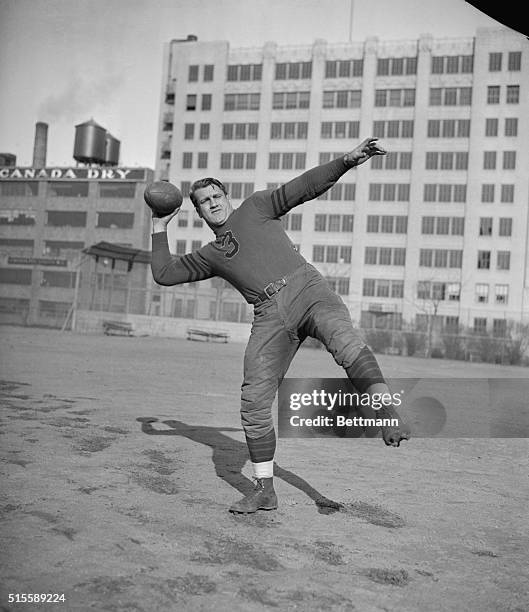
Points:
(67, 61)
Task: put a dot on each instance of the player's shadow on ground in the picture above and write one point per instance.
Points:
(230, 456)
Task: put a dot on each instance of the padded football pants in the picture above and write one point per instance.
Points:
(306, 306)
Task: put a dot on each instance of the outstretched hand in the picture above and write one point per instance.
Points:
(364, 151)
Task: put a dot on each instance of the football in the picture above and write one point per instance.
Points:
(163, 198)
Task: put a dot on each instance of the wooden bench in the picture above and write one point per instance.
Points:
(206, 335)
(121, 328)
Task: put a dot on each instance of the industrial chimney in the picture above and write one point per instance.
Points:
(41, 145)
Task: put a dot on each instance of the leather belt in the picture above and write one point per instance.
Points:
(270, 290)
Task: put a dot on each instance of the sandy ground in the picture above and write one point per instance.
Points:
(117, 514)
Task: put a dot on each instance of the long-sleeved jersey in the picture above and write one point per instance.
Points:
(251, 248)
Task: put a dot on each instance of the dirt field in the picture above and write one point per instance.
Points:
(123, 515)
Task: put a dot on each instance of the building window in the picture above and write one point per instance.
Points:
(482, 293)
(501, 294)
(453, 292)
(19, 188)
(443, 226)
(507, 194)
(187, 160)
(425, 258)
(240, 131)
(191, 102)
(373, 223)
(489, 160)
(440, 258)
(115, 220)
(189, 131)
(208, 72)
(396, 66)
(491, 127)
(318, 253)
(495, 62)
(245, 72)
(293, 70)
(457, 226)
(509, 160)
(15, 276)
(455, 258)
(480, 325)
(485, 226)
(450, 96)
(183, 218)
(344, 68)
(513, 94)
(237, 161)
(204, 131)
(503, 260)
(192, 74)
(340, 129)
(370, 257)
(514, 63)
(65, 218)
(511, 126)
(483, 260)
(68, 189)
(487, 193)
(448, 128)
(239, 190)
(202, 161)
(493, 94)
(499, 328)
(117, 189)
(368, 287)
(52, 278)
(290, 100)
(395, 97)
(292, 222)
(505, 227)
(286, 161)
(64, 248)
(290, 130)
(452, 64)
(320, 223)
(206, 102)
(342, 98)
(19, 247)
(428, 225)
(234, 102)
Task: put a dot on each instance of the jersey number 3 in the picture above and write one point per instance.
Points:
(229, 242)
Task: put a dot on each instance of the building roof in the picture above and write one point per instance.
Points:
(115, 252)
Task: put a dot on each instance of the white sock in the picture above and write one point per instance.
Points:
(263, 469)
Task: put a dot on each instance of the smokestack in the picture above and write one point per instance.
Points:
(41, 145)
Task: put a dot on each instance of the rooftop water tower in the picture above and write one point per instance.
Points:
(90, 143)
(111, 150)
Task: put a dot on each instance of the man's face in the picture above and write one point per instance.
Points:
(213, 205)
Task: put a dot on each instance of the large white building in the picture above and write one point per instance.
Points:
(439, 225)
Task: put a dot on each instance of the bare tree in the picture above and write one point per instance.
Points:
(430, 294)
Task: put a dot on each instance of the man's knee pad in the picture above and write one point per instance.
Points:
(256, 413)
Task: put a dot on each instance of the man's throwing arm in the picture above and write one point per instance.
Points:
(168, 269)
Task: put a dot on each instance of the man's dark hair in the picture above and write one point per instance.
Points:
(205, 182)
